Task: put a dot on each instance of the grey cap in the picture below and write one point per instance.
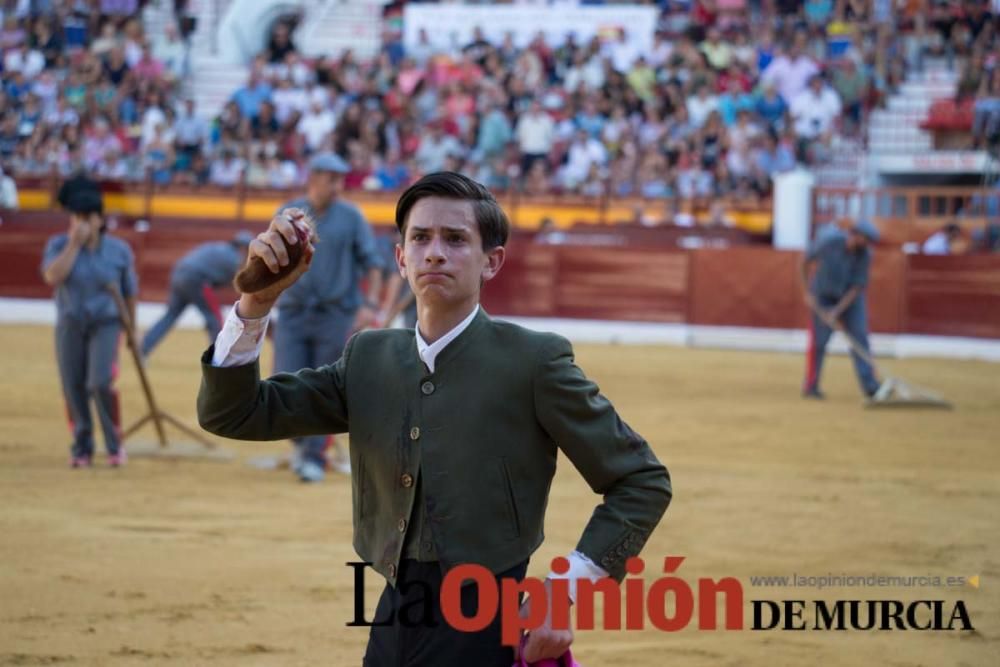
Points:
(328, 162)
(866, 229)
(243, 238)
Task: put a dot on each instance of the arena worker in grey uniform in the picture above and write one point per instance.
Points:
(398, 298)
(194, 280)
(843, 260)
(316, 315)
(81, 265)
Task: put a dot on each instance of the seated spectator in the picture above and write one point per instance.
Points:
(744, 131)
(694, 179)
(226, 170)
(536, 181)
(718, 53)
(815, 112)
(772, 156)
(114, 167)
(701, 105)
(158, 156)
(249, 97)
(435, 148)
(280, 43)
(791, 71)
(191, 131)
(147, 67)
(942, 241)
(392, 173)
(653, 177)
(851, 85)
(316, 124)
(257, 174)
(100, 142)
(283, 174)
(49, 42)
(172, 52)
(583, 153)
(107, 40)
(197, 173)
(115, 66)
(12, 34)
(535, 133)
(8, 192)
(734, 101)
(264, 126)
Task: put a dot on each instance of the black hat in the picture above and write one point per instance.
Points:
(85, 202)
(77, 183)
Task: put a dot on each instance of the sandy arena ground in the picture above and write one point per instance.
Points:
(193, 563)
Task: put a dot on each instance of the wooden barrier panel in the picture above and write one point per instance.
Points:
(954, 296)
(587, 282)
(761, 287)
(637, 284)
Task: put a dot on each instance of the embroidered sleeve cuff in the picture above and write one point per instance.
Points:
(580, 567)
(240, 341)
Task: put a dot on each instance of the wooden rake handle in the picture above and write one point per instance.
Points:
(126, 321)
(836, 325)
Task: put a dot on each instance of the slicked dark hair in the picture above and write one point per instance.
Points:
(494, 227)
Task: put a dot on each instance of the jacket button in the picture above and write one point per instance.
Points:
(392, 570)
(406, 480)
(415, 433)
(428, 546)
(427, 388)
(401, 525)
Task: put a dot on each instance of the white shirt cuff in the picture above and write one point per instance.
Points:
(580, 567)
(240, 341)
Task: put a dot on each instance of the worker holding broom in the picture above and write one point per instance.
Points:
(79, 265)
(455, 427)
(836, 299)
(194, 280)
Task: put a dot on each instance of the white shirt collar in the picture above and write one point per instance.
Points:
(428, 353)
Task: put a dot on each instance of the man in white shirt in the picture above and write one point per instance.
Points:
(535, 133)
(815, 109)
(701, 105)
(316, 124)
(790, 73)
(583, 152)
(227, 170)
(191, 132)
(940, 242)
(454, 431)
(8, 192)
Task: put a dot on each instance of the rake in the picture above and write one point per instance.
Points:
(894, 392)
(202, 447)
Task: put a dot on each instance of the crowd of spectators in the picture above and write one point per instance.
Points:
(731, 92)
(85, 87)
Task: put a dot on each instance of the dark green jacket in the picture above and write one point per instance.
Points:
(482, 433)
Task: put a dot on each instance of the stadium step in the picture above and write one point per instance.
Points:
(910, 104)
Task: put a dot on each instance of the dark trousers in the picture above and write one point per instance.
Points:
(310, 339)
(87, 355)
(855, 320)
(398, 645)
(182, 295)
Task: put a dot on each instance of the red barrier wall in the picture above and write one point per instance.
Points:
(752, 286)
